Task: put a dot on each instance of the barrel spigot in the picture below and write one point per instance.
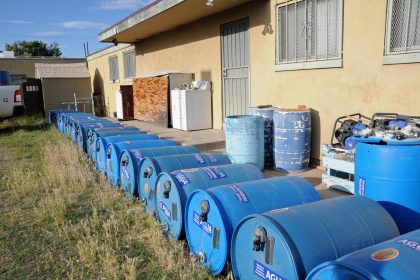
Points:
(108, 153)
(260, 235)
(201, 257)
(148, 172)
(204, 210)
(166, 189)
(164, 227)
(124, 161)
(98, 147)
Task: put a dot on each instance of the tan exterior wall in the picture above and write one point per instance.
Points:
(26, 66)
(99, 72)
(362, 85)
(58, 90)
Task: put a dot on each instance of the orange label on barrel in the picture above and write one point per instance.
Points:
(146, 187)
(385, 254)
(157, 188)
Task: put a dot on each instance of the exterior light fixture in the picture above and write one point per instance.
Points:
(210, 3)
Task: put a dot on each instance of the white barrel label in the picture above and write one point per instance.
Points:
(214, 173)
(181, 177)
(263, 272)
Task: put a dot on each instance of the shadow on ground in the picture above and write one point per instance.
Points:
(13, 128)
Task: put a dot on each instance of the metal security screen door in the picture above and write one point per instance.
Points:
(235, 67)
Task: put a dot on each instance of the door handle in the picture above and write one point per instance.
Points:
(224, 73)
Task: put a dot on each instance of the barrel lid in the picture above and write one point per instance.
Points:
(265, 260)
(168, 204)
(207, 239)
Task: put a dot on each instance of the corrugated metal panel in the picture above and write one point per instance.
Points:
(235, 67)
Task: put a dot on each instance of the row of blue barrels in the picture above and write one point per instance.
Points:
(199, 200)
(278, 137)
(208, 203)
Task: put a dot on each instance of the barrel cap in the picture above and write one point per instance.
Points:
(206, 239)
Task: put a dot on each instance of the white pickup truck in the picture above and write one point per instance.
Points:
(10, 100)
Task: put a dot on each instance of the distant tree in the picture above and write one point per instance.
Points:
(34, 48)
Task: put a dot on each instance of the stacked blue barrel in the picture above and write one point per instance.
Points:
(264, 228)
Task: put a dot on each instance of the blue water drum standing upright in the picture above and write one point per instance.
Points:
(4, 78)
(173, 189)
(131, 160)
(150, 168)
(292, 139)
(212, 215)
(267, 114)
(102, 144)
(288, 243)
(114, 151)
(245, 139)
(389, 172)
(397, 258)
(95, 133)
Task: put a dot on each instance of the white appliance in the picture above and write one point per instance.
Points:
(119, 105)
(191, 109)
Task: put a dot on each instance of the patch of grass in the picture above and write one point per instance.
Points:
(27, 122)
(59, 218)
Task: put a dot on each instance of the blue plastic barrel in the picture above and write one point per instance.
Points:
(102, 144)
(131, 160)
(96, 122)
(292, 140)
(173, 189)
(54, 116)
(288, 243)
(390, 174)
(4, 78)
(75, 122)
(150, 168)
(267, 114)
(82, 131)
(70, 122)
(63, 117)
(245, 139)
(114, 151)
(394, 259)
(95, 133)
(212, 215)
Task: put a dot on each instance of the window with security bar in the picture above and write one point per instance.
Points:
(129, 64)
(113, 69)
(403, 27)
(309, 31)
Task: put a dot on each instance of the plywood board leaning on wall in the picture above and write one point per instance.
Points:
(151, 99)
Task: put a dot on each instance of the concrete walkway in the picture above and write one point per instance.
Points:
(204, 140)
(214, 140)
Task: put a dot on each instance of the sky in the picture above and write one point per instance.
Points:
(69, 23)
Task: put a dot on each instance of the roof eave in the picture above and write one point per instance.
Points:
(141, 15)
